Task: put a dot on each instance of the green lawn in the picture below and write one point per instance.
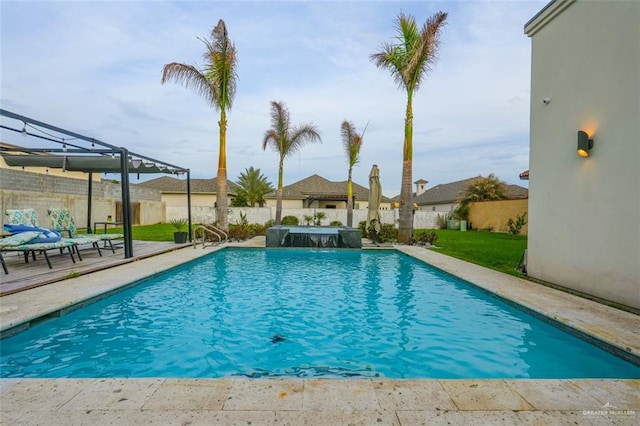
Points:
(498, 251)
(156, 232)
(501, 252)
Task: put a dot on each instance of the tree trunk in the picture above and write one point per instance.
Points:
(221, 180)
(279, 192)
(405, 230)
(349, 201)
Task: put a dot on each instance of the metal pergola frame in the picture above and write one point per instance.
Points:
(108, 159)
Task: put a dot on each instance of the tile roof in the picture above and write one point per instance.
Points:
(317, 186)
(449, 192)
(168, 184)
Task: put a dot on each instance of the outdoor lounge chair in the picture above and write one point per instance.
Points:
(63, 222)
(21, 220)
(22, 242)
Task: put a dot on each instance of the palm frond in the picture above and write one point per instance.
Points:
(351, 142)
(301, 135)
(221, 64)
(190, 77)
(412, 57)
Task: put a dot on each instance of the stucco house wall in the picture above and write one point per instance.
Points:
(584, 231)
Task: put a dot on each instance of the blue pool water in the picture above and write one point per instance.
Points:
(304, 313)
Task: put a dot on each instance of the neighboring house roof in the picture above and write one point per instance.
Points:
(443, 193)
(524, 175)
(317, 187)
(168, 184)
(450, 192)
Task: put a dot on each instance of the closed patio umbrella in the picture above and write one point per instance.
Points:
(375, 196)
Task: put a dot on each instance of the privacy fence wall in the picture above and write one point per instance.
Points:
(21, 189)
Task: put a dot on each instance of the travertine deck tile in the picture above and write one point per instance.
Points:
(554, 418)
(265, 394)
(340, 395)
(40, 394)
(331, 417)
(189, 394)
(488, 395)
(412, 395)
(422, 418)
(114, 394)
(624, 394)
(553, 394)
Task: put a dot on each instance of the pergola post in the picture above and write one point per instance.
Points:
(126, 203)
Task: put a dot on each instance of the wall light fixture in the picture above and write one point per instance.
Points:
(584, 144)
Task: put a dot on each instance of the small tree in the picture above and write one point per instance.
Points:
(318, 216)
(480, 189)
(253, 187)
(515, 226)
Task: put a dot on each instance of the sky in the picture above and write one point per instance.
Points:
(94, 68)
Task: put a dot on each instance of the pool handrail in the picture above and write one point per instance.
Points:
(210, 230)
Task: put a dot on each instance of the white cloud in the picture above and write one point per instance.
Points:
(95, 67)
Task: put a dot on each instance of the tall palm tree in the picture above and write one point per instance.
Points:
(254, 186)
(409, 61)
(352, 142)
(216, 82)
(286, 140)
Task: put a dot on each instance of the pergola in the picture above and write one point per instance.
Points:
(100, 157)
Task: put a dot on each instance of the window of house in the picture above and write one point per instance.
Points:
(330, 206)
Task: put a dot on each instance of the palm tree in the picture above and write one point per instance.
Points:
(286, 140)
(479, 189)
(483, 189)
(216, 82)
(409, 61)
(254, 186)
(352, 142)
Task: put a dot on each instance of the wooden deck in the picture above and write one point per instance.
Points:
(23, 276)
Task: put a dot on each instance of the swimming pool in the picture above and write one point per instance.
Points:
(303, 313)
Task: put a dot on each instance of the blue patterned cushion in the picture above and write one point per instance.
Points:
(22, 217)
(61, 219)
(18, 239)
(46, 235)
(41, 246)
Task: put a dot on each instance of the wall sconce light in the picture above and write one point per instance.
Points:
(584, 144)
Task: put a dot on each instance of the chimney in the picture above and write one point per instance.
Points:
(421, 186)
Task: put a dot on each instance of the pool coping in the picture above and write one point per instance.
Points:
(328, 401)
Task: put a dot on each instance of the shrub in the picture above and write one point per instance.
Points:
(268, 224)
(289, 220)
(238, 232)
(442, 221)
(388, 233)
(178, 223)
(515, 226)
(257, 229)
(308, 219)
(426, 237)
(362, 226)
(335, 223)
